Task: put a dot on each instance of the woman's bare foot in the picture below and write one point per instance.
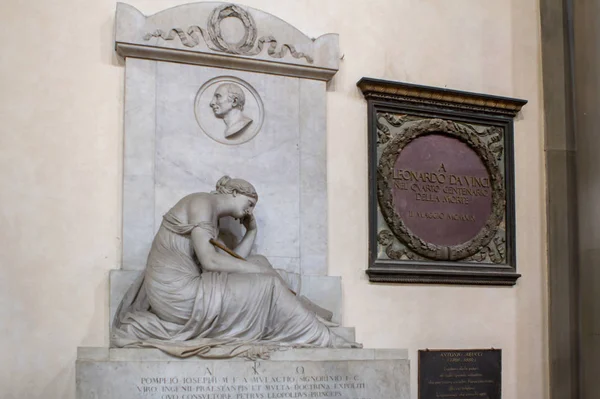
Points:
(339, 342)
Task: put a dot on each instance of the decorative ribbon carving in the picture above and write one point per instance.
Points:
(212, 36)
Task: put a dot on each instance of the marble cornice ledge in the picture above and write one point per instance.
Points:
(194, 34)
(377, 89)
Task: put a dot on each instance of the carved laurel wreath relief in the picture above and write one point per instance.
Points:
(249, 45)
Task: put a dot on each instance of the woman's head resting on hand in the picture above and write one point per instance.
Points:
(244, 194)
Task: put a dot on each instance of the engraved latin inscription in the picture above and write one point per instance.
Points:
(441, 190)
(253, 384)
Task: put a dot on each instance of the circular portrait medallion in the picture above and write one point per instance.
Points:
(229, 110)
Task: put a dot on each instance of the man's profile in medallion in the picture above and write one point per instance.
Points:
(228, 104)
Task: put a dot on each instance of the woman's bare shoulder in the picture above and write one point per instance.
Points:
(194, 197)
(197, 206)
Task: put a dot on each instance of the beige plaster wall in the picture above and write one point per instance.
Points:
(61, 169)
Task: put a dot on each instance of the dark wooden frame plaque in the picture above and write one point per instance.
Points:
(400, 112)
(473, 370)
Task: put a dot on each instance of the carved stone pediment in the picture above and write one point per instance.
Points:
(225, 35)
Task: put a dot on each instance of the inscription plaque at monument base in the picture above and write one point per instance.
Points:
(293, 373)
(441, 185)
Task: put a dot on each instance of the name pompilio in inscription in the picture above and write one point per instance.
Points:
(244, 379)
(441, 187)
(460, 374)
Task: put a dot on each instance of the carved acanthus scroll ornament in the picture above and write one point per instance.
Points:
(393, 250)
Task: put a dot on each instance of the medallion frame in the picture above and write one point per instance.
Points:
(396, 255)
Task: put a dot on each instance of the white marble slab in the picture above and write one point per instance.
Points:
(313, 177)
(168, 155)
(188, 160)
(290, 354)
(138, 163)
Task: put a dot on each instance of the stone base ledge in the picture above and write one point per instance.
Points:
(292, 354)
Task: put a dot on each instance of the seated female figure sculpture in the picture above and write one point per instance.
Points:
(193, 295)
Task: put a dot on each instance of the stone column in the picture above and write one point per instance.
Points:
(586, 56)
(571, 60)
(562, 199)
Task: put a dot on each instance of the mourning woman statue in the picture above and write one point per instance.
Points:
(194, 297)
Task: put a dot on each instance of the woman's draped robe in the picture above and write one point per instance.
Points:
(177, 307)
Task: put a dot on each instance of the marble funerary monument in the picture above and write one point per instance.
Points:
(223, 290)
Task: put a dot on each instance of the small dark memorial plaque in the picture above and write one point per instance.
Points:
(460, 374)
(441, 185)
